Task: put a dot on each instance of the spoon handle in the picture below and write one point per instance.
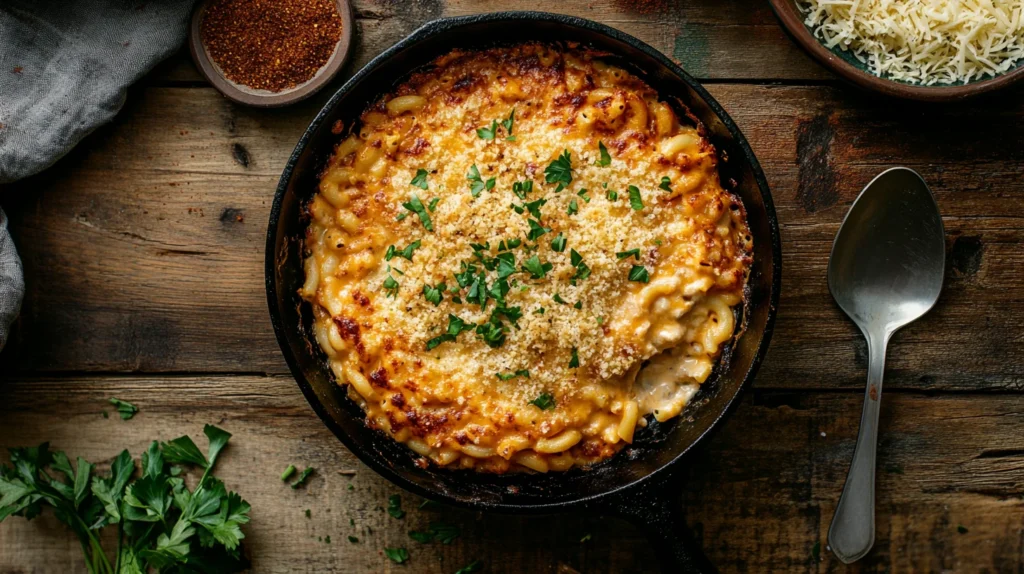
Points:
(853, 527)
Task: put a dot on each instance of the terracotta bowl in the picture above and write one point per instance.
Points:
(265, 98)
(849, 68)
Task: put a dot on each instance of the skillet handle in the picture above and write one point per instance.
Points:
(658, 512)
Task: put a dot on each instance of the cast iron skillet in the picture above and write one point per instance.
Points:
(638, 483)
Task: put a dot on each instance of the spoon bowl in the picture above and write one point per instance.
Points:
(885, 271)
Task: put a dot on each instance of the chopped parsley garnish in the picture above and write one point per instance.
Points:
(522, 188)
(583, 193)
(506, 264)
(635, 253)
(416, 206)
(124, 408)
(538, 311)
(575, 258)
(513, 314)
(434, 294)
(395, 506)
(498, 290)
(466, 276)
(536, 269)
(327, 539)
(666, 183)
(606, 159)
(558, 243)
(573, 208)
(444, 532)
(639, 274)
(577, 305)
(401, 216)
(288, 472)
(302, 477)
(492, 333)
(353, 539)
(477, 292)
(582, 272)
(488, 133)
(509, 124)
(408, 251)
(397, 555)
(420, 180)
(536, 230)
(544, 401)
(612, 195)
(600, 320)
(455, 326)
(574, 361)
(559, 171)
(558, 299)
(534, 207)
(513, 243)
(390, 253)
(635, 200)
(519, 373)
(477, 184)
(470, 568)
(390, 286)
(433, 204)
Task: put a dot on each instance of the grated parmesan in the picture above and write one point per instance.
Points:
(923, 42)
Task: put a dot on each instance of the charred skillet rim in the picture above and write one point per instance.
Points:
(630, 476)
(793, 23)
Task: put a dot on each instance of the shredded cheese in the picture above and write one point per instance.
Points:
(923, 42)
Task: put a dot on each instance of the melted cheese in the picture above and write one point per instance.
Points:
(466, 401)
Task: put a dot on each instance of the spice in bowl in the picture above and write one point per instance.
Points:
(272, 45)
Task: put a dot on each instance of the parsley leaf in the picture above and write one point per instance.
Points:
(612, 195)
(558, 243)
(395, 506)
(421, 537)
(124, 408)
(519, 373)
(506, 264)
(521, 188)
(575, 258)
(558, 299)
(509, 123)
(301, 479)
(444, 532)
(433, 204)
(434, 294)
(353, 539)
(534, 207)
(559, 171)
(573, 208)
(420, 180)
(408, 251)
(455, 326)
(416, 206)
(544, 401)
(635, 201)
(492, 333)
(513, 243)
(477, 184)
(606, 159)
(536, 269)
(639, 274)
(583, 193)
(397, 555)
(635, 253)
(536, 230)
(488, 133)
(390, 286)
(666, 183)
(390, 253)
(574, 361)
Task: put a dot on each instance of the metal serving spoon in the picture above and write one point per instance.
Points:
(885, 272)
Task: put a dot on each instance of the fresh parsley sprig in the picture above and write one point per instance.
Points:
(559, 171)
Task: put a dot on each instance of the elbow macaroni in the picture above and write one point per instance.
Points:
(642, 348)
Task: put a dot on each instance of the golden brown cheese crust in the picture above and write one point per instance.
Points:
(573, 344)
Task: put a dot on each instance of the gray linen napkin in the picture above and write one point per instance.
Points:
(64, 70)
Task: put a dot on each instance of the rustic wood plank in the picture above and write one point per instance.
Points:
(712, 40)
(162, 218)
(761, 492)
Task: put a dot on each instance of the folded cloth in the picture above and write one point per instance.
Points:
(12, 286)
(64, 70)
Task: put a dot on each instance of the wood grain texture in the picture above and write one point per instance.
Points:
(162, 218)
(760, 493)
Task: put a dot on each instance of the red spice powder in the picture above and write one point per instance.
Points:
(271, 44)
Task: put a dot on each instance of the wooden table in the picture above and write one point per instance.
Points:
(143, 254)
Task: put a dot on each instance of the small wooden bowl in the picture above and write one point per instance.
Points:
(852, 70)
(265, 98)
